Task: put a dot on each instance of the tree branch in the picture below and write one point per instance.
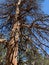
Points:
(2, 40)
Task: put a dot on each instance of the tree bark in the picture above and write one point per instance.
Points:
(12, 51)
(12, 48)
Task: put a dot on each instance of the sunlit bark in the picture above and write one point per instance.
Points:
(12, 48)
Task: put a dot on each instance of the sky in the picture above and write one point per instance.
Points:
(45, 7)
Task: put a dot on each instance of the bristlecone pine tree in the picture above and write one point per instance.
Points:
(28, 29)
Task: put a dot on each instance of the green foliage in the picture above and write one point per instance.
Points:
(2, 54)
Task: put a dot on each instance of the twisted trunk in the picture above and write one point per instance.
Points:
(12, 48)
(12, 51)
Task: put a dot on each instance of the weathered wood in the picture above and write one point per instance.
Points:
(12, 48)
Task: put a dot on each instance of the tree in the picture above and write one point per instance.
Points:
(24, 33)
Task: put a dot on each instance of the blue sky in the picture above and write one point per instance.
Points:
(46, 6)
(2, 1)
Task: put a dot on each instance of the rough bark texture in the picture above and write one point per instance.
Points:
(12, 51)
(12, 48)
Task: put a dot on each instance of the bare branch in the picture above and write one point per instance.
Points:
(2, 40)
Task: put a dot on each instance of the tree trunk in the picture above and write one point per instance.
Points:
(12, 48)
(12, 51)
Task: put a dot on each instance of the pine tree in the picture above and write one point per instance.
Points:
(26, 26)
